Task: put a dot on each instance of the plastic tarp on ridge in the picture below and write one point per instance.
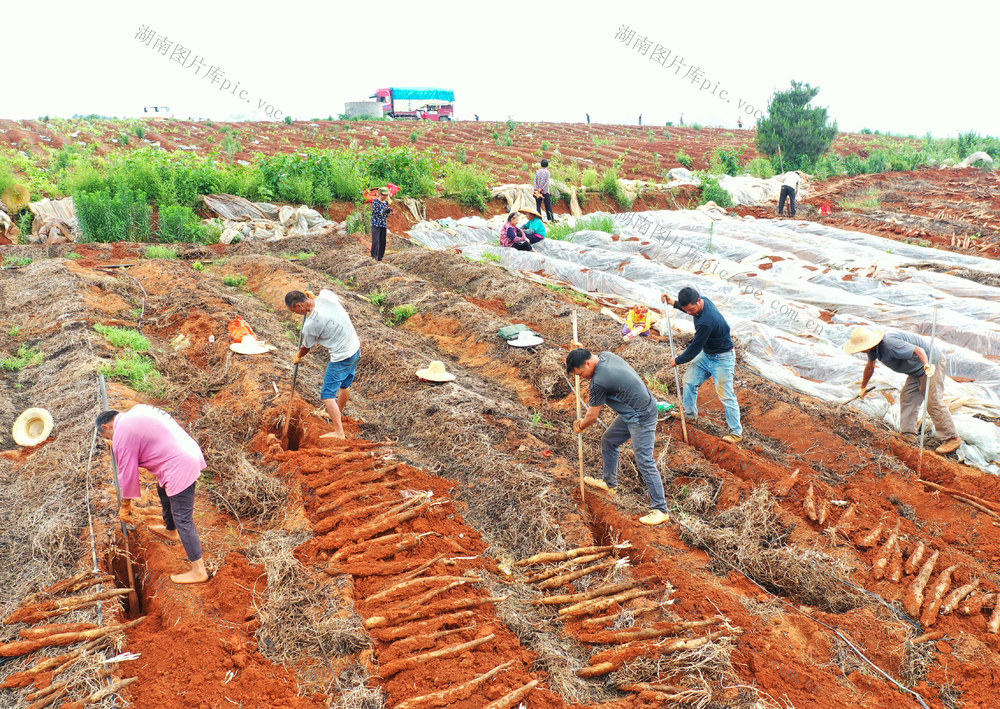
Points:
(792, 291)
(422, 93)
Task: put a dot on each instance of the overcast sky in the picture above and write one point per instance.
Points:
(892, 66)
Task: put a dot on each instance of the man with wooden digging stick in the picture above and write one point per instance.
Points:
(616, 384)
(147, 437)
(924, 367)
(712, 355)
(327, 323)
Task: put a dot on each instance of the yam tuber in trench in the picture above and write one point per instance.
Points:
(957, 596)
(941, 587)
(809, 503)
(913, 601)
(871, 538)
(913, 562)
(884, 555)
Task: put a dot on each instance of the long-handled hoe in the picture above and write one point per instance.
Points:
(295, 376)
(677, 376)
(579, 415)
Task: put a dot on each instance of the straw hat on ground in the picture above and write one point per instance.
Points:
(435, 372)
(249, 345)
(32, 427)
(862, 339)
(525, 338)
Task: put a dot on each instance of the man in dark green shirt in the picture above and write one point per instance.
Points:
(616, 384)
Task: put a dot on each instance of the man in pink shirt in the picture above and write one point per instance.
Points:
(147, 437)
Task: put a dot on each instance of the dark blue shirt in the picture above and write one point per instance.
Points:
(711, 333)
(380, 212)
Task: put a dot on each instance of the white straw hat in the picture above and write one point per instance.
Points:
(862, 338)
(435, 372)
(32, 427)
(250, 345)
(525, 338)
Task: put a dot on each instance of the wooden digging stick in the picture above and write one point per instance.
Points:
(927, 394)
(133, 597)
(579, 415)
(295, 376)
(677, 376)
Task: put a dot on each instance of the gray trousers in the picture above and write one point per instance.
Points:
(643, 435)
(912, 395)
(178, 514)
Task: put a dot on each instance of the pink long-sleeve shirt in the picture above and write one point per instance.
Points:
(147, 437)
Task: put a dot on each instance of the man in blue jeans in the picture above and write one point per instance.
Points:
(712, 354)
(328, 324)
(616, 384)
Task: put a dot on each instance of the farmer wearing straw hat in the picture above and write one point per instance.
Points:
(147, 437)
(328, 324)
(616, 384)
(380, 224)
(907, 354)
(534, 228)
(712, 355)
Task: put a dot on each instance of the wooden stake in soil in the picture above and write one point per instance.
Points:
(579, 415)
(295, 375)
(927, 393)
(133, 597)
(677, 376)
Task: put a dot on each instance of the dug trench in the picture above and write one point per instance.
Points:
(493, 450)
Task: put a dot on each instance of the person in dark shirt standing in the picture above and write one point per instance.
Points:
(542, 179)
(712, 355)
(911, 355)
(616, 384)
(380, 215)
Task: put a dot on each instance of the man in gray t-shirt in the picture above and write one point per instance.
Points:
(911, 355)
(616, 384)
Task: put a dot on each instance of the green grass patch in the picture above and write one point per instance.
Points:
(564, 231)
(378, 297)
(401, 313)
(468, 185)
(73, 256)
(300, 256)
(14, 330)
(235, 281)
(137, 370)
(712, 191)
(156, 251)
(26, 357)
(867, 200)
(124, 337)
(489, 257)
(14, 261)
(684, 159)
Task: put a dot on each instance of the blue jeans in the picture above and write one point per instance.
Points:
(340, 375)
(643, 435)
(722, 368)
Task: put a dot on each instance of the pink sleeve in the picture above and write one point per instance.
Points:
(124, 450)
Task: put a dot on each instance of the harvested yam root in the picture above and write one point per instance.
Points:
(406, 587)
(514, 698)
(977, 602)
(557, 581)
(872, 538)
(957, 596)
(930, 614)
(41, 631)
(895, 572)
(586, 596)
(606, 662)
(407, 614)
(809, 504)
(551, 556)
(913, 563)
(600, 604)
(390, 669)
(824, 510)
(423, 626)
(914, 599)
(448, 697)
(844, 524)
(556, 570)
(26, 647)
(994, 625)
(787, 484)
(44, 609)
(624, 636)
(882, 561)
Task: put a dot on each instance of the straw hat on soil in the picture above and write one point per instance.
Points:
(435, 372)
(249, 345)
(862, 339)
(525, 338)
(529, 210)
(32, 427)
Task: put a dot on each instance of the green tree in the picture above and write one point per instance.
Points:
(801, 131)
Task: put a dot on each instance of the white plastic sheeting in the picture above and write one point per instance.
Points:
(792, 291)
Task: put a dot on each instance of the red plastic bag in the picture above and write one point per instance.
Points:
(238, 329)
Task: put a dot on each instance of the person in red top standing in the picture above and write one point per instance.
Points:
(147, 437)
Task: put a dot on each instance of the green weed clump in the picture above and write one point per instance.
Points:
(468, 185)
(866, 200)
(609, 186)
(157, 251)
(14, 261)
(181, 225)
(402, 313)
(760, 167)
(26, 357)
(136, 370)
(684, 159)
(126, 337)
(712, 191)
(378, 297)
(106, 217)
(597, 222)
(235, 281)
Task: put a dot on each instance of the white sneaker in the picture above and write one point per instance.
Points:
(654, 518)
(599, 484)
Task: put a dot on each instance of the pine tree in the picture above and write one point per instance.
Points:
(799, 129)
